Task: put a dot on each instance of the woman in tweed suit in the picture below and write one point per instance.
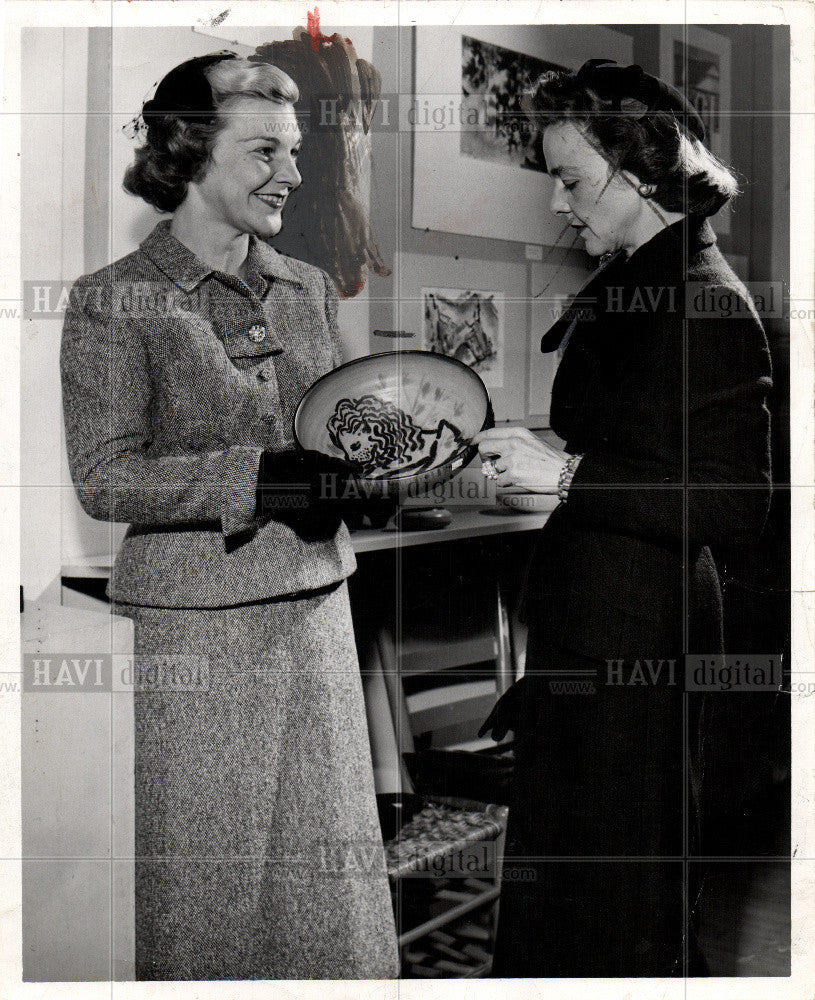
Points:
(259, 854)
(663, 411)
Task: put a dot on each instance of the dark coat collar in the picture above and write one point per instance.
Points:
(668, 247)
(187, 271)
(664, 254)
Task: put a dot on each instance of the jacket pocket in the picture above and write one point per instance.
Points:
(238, 346)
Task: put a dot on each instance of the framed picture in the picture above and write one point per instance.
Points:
(467, 324)
(471, 171)
(475, 310)
(697, 62)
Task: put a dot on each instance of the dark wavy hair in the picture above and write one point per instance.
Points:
(392, 431)
(655, 146)
(178, 145)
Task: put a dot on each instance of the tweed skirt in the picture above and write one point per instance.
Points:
(258, 848)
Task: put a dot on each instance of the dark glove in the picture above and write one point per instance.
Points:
(507, 712)
(314, 492)
(378, 510)
(302, 482)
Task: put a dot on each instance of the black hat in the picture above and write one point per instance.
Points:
(631, 89)
(185, 92)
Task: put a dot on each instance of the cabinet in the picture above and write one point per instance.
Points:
(77, 796)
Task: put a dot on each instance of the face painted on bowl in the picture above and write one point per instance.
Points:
(358, 444)
(383, 440)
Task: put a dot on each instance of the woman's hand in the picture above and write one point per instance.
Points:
(517, 709)
(313, 490)
(521, 459)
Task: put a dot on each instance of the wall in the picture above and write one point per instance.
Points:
(54, 97)
(77, 803)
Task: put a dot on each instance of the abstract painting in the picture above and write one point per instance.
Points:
(467, 325)
(493, 78)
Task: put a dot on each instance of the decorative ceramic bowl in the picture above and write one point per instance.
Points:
(404, 419)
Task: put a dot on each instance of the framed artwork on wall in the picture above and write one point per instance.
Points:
(697, 62)
(467, 324)
(471, 171)
(474, 310)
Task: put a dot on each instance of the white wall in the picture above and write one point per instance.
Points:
(78, 825)
(54, 98)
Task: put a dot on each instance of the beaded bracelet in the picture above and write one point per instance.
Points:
(566, 476)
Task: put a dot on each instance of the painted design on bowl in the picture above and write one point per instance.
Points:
(383, 440)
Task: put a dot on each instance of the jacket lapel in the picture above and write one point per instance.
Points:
(652, 266)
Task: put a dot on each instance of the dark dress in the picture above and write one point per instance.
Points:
(668, 408)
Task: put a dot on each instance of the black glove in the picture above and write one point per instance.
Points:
(514, 705)
(378, 510)
(312, 491)
(302, 482)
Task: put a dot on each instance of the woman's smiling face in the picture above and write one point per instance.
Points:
(604, 206)
(253, 167)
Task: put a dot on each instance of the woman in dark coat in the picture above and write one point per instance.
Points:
(259, 853)
(660, 398)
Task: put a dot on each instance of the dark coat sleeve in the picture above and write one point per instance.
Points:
(721, 493)
(107, 400)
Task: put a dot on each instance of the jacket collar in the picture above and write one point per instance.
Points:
(691, 233)
(187, 271)
(667, 251)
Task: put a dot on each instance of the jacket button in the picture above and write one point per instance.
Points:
(257, 333)
(264, 374)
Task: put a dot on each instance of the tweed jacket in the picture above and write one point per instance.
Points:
(175, 378)
(663, 390)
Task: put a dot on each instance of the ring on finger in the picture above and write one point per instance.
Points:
(488, 469)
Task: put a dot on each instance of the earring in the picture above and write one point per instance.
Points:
(645, 190)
